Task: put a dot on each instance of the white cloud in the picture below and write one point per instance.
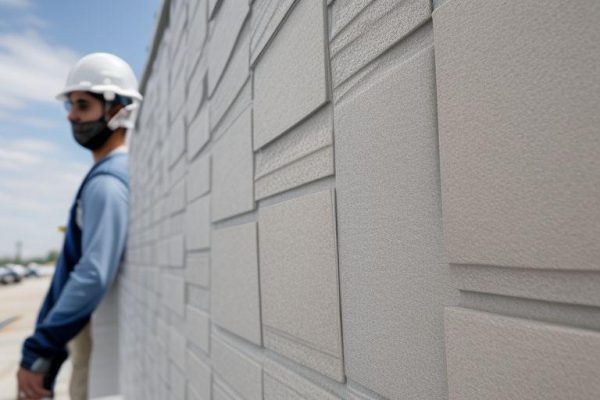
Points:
(38, 179)
(38, 182)
(35, 146)
(10, 103)
(28, 121)
(31, 69)
(15, 3)
(20, 153)
(33, 21)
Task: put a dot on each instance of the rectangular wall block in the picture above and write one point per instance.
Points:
(173, 293)
(198, 375)
(302, 155)
(239, 370)
(299, 282)
(197, 224)
(235, 303)
(282, 383)
(310, 168)
(197, 328)
(519, 188)
(198, 178)
(176, 141)
(266, 17)
(233, 171)
(363, 32)
(393, 277)
(198, 132)
(180, 58)
(198, 297)
(177, 348)
(497, 357)
(177, 171)
(222, 392)
(290, 79)
(197, 27)
(177, 198)
(234, 79)
(197, 269)
(196, 89)
(177, 98)
(225, 29)
(178, 25)
(176, 383)
(212, 7)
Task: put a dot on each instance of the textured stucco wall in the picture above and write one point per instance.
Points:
(365, 200)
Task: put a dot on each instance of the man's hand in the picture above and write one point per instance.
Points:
(31, 386)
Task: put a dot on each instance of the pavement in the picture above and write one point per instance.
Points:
(19, 304)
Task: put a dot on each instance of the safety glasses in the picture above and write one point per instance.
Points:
(77, 105)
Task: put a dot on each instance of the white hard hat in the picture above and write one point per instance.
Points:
(102, 73)
(109, 75)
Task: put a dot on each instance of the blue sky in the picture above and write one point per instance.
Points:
(40, 164)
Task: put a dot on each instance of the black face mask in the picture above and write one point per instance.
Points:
(91, 135)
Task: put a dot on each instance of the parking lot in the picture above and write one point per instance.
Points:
(19, 304)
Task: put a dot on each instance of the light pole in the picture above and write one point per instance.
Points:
(19, 246)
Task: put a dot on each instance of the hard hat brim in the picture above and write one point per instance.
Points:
(100, 89)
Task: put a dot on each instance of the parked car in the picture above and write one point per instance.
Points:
(25, 271)
(32, 270)
(8, 275)
(18, 269)
(45, 270)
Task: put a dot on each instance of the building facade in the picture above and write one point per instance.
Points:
(364, 200)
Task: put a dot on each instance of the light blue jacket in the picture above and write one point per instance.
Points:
(92, 252)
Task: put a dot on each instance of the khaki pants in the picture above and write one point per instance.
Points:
(80, 349)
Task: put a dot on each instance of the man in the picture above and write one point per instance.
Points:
(101, 97)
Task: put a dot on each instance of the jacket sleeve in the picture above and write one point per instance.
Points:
(104, 234)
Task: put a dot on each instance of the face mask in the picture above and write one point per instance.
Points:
(91, 135)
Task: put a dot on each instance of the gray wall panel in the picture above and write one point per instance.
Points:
(519, 139)
(235, 292)
(393, 276)
(299, 282)
(496, 357)
(290, 80)
(316, 184)
(232, 172)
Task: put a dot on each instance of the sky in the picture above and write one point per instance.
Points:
(40, 164)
